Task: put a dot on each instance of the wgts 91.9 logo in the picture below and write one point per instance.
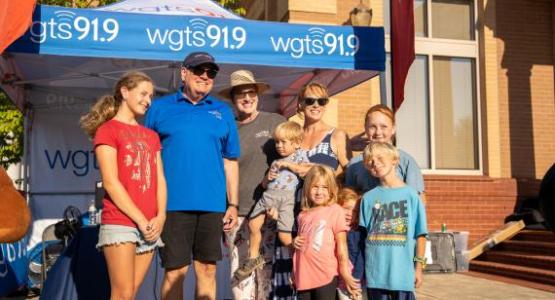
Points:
(66, 25)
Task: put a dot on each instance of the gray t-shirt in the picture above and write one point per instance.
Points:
(257, 153)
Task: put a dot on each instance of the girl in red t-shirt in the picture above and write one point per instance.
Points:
(320, 246)
(131, 167)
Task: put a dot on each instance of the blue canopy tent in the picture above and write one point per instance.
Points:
(69, 57)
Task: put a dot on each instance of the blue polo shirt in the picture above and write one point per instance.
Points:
(195, 140)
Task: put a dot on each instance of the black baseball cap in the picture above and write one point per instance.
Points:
(199, 58)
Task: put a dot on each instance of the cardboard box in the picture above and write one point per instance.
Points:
(507, 231)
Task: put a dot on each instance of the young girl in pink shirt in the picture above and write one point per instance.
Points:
(320, 246)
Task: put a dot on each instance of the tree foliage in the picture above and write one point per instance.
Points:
(11, 132)
(77, 3)
(233, 5)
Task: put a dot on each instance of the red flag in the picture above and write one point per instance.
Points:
(15, 18)
(402, 46)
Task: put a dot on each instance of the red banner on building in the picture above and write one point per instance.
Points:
(402, 46)
(15, 18)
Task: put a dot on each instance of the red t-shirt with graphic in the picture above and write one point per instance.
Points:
(136, 148)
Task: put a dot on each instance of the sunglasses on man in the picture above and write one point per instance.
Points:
(310, 101)
(199, 71)
(244, 94)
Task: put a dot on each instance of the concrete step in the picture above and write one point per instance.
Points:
(513, 281)
(535, 235)
(523, 259)
(514, 271)
(542, 248)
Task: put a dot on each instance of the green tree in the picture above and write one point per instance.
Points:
(11, 132)
(77, 3)
(234, 5)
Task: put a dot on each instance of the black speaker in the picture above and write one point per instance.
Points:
(99, 193)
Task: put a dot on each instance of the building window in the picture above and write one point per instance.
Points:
(454, 113)
(438, 123)
(420, 26)
(452, 19)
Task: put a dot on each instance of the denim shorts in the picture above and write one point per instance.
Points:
(119, 234)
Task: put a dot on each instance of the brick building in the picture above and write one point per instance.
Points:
(479, 110)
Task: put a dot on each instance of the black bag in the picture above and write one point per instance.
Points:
(443, 252)
(69, 226)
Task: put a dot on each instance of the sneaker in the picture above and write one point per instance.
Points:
(248, 267)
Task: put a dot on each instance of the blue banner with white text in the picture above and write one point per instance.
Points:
(13, 266)
(92, 33)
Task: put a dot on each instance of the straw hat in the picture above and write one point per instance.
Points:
(240, 78)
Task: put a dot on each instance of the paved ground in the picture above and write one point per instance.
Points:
(460, 287)
(464, 287)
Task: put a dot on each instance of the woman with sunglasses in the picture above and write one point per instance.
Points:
(325, 144)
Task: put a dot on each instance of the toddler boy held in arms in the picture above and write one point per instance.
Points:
(281, 184)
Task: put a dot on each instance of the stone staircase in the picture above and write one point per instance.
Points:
(528, 258)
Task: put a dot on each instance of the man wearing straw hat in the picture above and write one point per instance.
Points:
(257, 153)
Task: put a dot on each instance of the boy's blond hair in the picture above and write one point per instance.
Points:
(314, 174)
(290, 131)
(379, 147)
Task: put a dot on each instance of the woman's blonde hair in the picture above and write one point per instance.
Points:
(107, 106)
(316, 173)
(290, 131)
(315, 87)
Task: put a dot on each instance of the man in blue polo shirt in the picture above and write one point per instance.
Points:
(200, 148)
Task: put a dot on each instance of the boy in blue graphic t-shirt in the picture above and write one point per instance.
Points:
(395, 219)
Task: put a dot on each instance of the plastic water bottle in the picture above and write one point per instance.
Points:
(93, 214)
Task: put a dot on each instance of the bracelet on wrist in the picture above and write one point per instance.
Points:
(233, 205)
(421, 260)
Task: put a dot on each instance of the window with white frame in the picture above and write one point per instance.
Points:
(439, 123)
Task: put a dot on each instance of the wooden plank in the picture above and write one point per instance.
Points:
(507, 231)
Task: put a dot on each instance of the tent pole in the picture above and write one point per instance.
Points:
(25, 163)
(383, 89)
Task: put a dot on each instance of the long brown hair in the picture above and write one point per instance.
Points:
(314, 174)
(107, 106)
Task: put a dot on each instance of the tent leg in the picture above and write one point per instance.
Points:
(383, 89)
(26, 149)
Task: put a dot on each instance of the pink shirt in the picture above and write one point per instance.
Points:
(316, 264)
